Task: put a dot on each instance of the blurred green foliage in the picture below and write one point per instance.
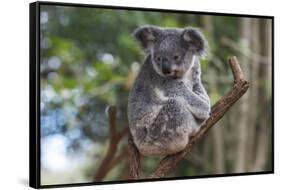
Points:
(88, 61)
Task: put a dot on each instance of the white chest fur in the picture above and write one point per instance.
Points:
(160, 94)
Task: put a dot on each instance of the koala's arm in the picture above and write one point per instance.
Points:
(197, 97)
(198, 103)
(197, 86)
(199, 89)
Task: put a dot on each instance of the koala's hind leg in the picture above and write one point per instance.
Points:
(170, 131)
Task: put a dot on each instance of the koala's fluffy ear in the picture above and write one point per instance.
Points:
(195, 41)
(146, 36)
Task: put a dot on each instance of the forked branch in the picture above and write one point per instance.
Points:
(168, 163)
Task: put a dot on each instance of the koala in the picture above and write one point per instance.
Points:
(168, 103)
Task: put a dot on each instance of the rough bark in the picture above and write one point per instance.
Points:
(134, 159)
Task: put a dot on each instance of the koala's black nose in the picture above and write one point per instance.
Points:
(166, 69)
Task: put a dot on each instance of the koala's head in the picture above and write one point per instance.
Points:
(172, 50)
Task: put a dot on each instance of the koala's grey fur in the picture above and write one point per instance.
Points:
(168, 103)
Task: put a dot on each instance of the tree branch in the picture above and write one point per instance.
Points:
(134, 159)
(168, 163)
(114, 139)
(240, 86)
(118, 158)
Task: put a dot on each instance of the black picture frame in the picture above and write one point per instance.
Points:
(34, 93)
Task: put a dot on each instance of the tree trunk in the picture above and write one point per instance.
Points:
(242, 123)
(263, 133)
(253, 93)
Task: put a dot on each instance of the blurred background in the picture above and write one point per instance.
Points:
(89, 60)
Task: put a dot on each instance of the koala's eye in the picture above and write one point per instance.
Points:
(176, 57)
(158, 58)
